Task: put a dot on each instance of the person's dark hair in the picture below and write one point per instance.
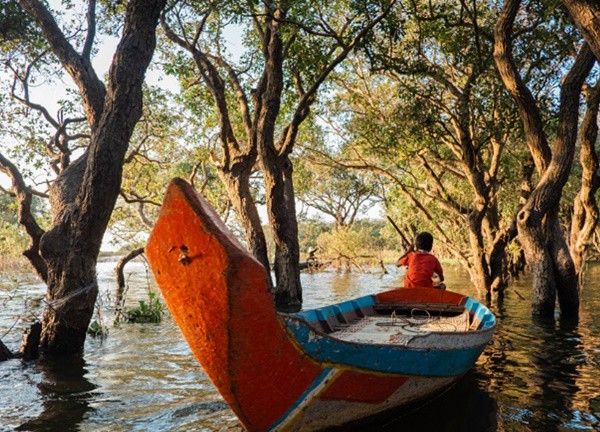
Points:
(424, 241)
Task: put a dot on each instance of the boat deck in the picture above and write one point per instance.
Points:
(399, 329)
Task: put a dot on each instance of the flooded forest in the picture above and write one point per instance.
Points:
(326, 137)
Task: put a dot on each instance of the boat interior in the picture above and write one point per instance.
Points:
(372, 319)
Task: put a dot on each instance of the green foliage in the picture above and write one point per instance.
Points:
(166, 143)
(366, 241)
(392, 108)
(345, 242)
(309, 231)
(335, 191)
(97, 329)
(15, 25)
(13, 239)
(150, 312)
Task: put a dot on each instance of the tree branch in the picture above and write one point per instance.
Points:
(92, 90)
(586, 14)
(302, 109)
(25, 216)
(91, 30)
(528, 110)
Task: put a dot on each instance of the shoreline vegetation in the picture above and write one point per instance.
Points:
(362, 247)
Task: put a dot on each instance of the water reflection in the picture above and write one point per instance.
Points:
(466, 407)
(553, 375)
(65, 395)
(533, 376)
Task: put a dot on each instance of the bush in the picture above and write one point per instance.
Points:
(150, 312)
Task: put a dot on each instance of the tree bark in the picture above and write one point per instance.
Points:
(85, 194)
(237, 184)
(277, 169)
(585, 206)
(586, 14)
(539, 229)
(30, 344)
(479, 270)
(281, 208)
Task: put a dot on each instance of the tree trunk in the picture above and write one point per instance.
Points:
(237, 184)
(277, 170)
(533, 239)
(85, 194)
(120, 275)
(281, 208)
(5, 353)
(479, 271)
(72, 292)
(30, 344)
(567, 287)
(585, 207)
(499, 264)
(502, 267)
(539, 230)
(586, 14)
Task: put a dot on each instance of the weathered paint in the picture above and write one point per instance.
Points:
(220, 301)
(383, 358)
(363, 387)
(422, 295)
(308, 397)
(275, 371)
(335, 413)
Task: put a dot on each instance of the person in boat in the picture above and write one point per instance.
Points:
(423, 267)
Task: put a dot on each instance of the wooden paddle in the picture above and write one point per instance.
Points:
(404, 239)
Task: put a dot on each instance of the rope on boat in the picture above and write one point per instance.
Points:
(414, 321)
(402, 320)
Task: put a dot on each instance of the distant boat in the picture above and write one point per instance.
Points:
(314, 370)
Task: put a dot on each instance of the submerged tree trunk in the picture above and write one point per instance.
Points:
(120, 274)
(540, 232)
(277, 169)
(5, 353)
(479, 270)
(84, 195)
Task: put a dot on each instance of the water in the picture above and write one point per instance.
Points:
(533, 376)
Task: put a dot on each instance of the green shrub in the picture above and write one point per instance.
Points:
(150, 312)
(97, 330)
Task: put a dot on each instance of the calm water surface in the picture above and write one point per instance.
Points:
(533, 376)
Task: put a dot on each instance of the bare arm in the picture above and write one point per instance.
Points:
(400, 262)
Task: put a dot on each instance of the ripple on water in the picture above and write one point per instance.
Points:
(533, 376)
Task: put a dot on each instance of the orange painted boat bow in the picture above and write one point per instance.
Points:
(200, 266)
(280, 371)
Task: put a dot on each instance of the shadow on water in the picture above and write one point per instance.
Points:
(65, 395)
(465, 407)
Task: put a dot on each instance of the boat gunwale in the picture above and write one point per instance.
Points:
(395, 346)
(322, 333)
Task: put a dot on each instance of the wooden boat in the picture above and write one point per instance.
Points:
(316, 369)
